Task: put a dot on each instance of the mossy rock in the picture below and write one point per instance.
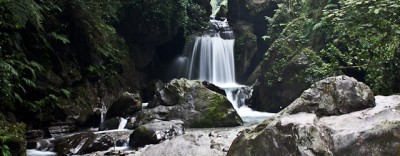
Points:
(217, 114)
(193, 103)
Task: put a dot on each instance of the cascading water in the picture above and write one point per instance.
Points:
(212, 60)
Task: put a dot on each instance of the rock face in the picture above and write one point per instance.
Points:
(155, 131)
(247, 18)
(333, 96)
(191, 102)
(245, 48)
(333, 121)
(274, 91)
(126, 105)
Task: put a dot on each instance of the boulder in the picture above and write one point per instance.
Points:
(126, 105)
(191, 102)
(82, 143)
(333, 96)
(154, 132)
(110, 124)
(312, 127)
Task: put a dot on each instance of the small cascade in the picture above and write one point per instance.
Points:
(103, 111)
(122, 124)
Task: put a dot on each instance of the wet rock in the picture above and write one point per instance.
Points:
(347, 126)
(84, 143)
(110, 124)
(155, 131)
(244, 95)
(61, 128)
(126, 105)
(193, 103)
(37, 133)
(31, 145)
(151, 88)
(214, 88)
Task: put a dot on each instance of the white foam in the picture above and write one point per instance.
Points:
(245, 111)
(122, 123)
(34, 152)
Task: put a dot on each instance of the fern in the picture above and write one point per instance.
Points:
(24, 11)
(67, 93)
(29, 82)
(60, 37)
(5, 151)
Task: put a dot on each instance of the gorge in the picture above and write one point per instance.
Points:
(163, 77)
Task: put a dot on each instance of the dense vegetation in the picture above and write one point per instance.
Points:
(358, 38)
(58, 56)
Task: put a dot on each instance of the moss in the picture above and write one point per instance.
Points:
(215, 114)
(242, 43)
(12, 137)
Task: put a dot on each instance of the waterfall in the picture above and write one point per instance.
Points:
(212, 57)
(212, 60)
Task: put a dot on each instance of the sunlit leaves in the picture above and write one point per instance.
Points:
(366, 32)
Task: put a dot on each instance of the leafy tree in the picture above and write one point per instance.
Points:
(365, 37)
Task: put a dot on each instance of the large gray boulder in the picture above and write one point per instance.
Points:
(333, 96)
(345, 127)
(155, 131)
(193, 103)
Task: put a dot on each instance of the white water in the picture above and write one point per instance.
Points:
(212, 60)
(122, 124)
(212, 57)
(103, 111)
(34, 152)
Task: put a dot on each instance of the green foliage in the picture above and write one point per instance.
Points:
(76, 27)
(346, 36)
(366, 37)
(159, 15)
(16, 74)
(66, 93)
(11, 134)
(19, 12)
(94, 19)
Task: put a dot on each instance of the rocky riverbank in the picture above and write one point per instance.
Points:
(336, 116)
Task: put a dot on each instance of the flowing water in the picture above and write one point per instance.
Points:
(212, 60)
